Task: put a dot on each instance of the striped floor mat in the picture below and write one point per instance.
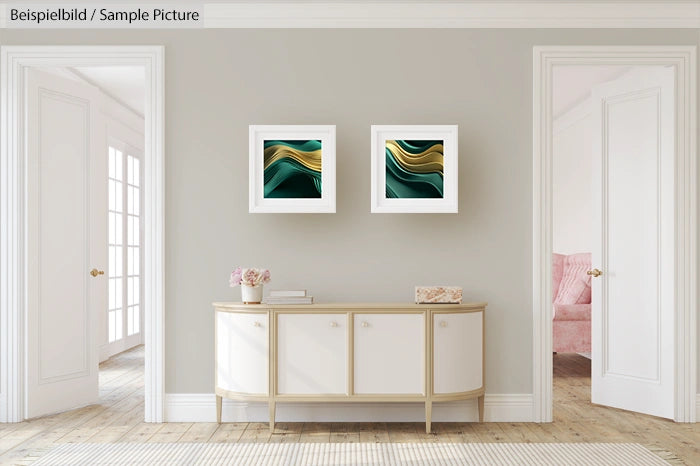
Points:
(559, 454)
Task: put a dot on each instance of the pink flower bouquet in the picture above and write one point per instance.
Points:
(249, 276)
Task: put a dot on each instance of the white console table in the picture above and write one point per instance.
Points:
(349, 352)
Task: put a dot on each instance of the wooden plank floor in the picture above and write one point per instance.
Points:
(118, 418)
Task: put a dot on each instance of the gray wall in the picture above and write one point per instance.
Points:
(220, 81)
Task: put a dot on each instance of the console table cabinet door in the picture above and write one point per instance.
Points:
(312, 354)
(389, 353)
(242, 352)
(457, 352)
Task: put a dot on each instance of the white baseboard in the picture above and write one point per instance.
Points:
(103, 352)
(201, 407)
(697, 407)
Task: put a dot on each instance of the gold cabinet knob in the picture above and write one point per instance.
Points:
(334, 324)
(443, 323)
(365, 324)
(95, 272)
(256, 324)
(595, 273)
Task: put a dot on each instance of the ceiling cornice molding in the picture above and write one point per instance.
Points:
(571, 116)
(77, 74)
(465, 14)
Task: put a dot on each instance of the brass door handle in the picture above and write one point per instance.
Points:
(95, 272)
(595, 273)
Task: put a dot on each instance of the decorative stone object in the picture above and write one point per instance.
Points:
(439, 294)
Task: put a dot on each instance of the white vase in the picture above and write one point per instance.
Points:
(251, 294)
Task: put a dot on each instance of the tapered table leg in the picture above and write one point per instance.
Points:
(481, 408)
(218, 409)
(272, 415)
(428, 415)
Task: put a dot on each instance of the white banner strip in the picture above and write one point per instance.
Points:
(358, 14)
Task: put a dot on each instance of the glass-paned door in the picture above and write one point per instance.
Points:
(125, 253)
(133, 244)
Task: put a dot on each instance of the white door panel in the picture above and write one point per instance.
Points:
(633, 190)
(457, 352)
(389, 353)
(63, 205)
(242, 352)
(311, 353)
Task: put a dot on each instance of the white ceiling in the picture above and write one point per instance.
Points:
(573, 83)
(124, 83)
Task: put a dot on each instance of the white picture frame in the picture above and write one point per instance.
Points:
(444, 200)
(262, 201)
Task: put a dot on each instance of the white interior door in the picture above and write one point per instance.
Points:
(66, 231)
(633, 215)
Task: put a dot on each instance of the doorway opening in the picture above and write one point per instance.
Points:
(85, 143)
(107, 176)
(572, 227)
(664, 182)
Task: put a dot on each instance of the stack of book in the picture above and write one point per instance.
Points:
(288, 297)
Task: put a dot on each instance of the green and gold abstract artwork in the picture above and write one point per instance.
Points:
(414, 169)
(292, 169)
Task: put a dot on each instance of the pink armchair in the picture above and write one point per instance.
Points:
(571, 295)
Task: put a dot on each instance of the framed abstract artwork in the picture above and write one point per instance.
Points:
(292, 168)
(414, 169)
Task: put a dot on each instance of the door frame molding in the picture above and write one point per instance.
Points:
(683, 58)
(14, 60)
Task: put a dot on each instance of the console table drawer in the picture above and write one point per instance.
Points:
(311, 354)
(457, 352)
(242, 352)
(389, 355)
